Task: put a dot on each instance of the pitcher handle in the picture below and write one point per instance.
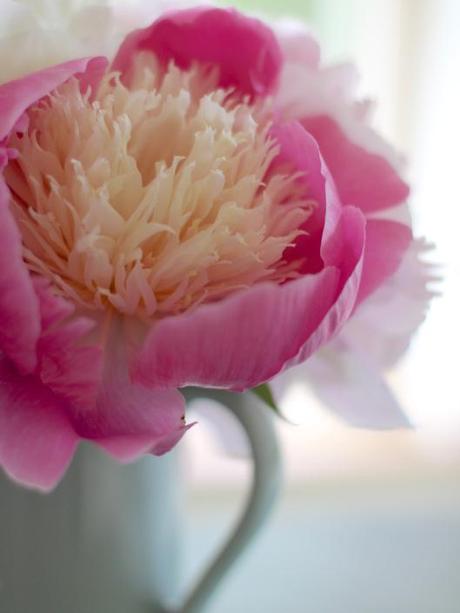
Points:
(257, 422)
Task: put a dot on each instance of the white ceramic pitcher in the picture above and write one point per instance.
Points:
(107, 540)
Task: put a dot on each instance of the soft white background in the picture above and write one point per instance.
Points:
(368, 522)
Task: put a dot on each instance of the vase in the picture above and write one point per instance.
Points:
(107, 540)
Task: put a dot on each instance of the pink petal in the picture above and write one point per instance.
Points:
(300, 152)
(327, 228)
(240, 341)
(63, 352)
(37, 441)
(124, 418)
(63, 362)
(347, 246)
(17, 96)
(363, 179)
(337, 233)
(129, 419)
(19, 312)
(128, 447)
(244, 49)
(386, 243)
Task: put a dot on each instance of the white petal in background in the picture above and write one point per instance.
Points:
(384, 325)
(349, 384)
(39, 33)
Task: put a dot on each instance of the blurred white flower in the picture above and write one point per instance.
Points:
(347, 375)
(35, 34)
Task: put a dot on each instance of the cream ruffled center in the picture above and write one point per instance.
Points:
(154, 198)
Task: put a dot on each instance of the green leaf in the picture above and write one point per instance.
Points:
(264, 393)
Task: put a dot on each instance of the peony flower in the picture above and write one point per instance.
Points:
(201, 208)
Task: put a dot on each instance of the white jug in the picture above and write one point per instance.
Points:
(107, 540)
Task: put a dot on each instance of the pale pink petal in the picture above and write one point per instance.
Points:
(37, 441)
(386, 243)
(400, 213)
(244, 49)
(362, 178)
(383, 324)
(19, 312)
(350, 385)
(297, 44)
(306, 92)
(17, 96)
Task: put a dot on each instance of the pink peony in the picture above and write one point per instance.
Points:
(204, 209)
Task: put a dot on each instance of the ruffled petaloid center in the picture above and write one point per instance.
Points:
(152, 198)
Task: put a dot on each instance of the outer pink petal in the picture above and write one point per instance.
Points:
(326, 233)
(386, 244)
(154, 423)
(37, 441)
(362, 178)
(129, 419)
(63, 352)
(17, 96)
(300, 152)
(19, 313)
(386, 241)
(241, 341)
(104, 404)
(19, 310)
(244, 49)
